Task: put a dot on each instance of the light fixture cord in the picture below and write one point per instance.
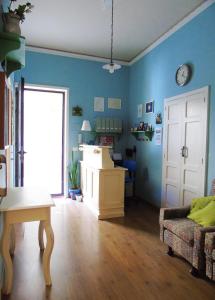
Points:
(111, 49)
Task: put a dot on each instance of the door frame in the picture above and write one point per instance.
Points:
(66, 91)
(205, 91)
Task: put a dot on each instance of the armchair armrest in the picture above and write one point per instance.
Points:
(199, 245)
(172, 213)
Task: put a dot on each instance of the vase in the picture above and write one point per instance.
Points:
(74, 192)
(11, 23)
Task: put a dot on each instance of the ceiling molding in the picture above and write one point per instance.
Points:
(175, 28)
(73, 55)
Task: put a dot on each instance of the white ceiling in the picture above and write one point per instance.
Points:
(83, 26)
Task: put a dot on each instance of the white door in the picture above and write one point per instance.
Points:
(184, 153)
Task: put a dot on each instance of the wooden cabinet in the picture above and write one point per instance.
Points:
(5, 112)
(102, 184)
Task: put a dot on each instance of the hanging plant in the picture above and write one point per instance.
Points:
(21, 10)
(13, 17)
(77, 111)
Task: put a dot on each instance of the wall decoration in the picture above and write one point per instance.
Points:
(158, 136)
(77, 111)
(149, 108)
(158, 119)
(139, 110)
(114, 103)
(99, 104)
(183, 74)
(105, 140)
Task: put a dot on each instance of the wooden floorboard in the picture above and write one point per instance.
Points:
(122, 258)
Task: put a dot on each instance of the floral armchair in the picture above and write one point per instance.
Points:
(185, 237)
(210, 255)
(189, 239)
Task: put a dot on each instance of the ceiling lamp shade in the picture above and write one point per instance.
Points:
(86, 126)
(111, 67)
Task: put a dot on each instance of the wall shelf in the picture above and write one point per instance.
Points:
(143, 135)
(12, 52)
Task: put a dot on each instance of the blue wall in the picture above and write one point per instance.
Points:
(153, 77)
(85, 80)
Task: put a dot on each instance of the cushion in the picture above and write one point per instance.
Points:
(204, 216)
(199, 203)
(183, 228)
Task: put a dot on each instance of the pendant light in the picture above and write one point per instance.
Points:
(111, 67)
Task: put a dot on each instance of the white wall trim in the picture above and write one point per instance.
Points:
(205, 91)
(175, 28)
(73, 55)
(66, 126)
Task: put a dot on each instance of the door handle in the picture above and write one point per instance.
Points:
(21, 152)
(184, 151)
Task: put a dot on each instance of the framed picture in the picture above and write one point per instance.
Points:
(149, 108)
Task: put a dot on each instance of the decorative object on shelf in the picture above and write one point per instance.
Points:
(77, 111)
(13, 17)
(99, 104)
(139, 110)
(183, 74)
(114, 103)
(149, 107)
(144, 132)
(111, 67)
(141, 126)
(158, 119)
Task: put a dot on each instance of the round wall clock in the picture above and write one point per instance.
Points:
(183, 74)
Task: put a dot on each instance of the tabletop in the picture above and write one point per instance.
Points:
(26, 198)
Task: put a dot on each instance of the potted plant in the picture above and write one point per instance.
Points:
(73, 175)
(13, 17)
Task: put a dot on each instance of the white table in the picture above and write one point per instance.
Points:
(26, 205)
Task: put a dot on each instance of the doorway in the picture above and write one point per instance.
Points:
(45, 138)
(185, 148)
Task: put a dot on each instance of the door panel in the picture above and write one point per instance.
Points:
(185, 143)
(193, 136)
(172, 140)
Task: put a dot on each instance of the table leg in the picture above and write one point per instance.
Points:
(8, 278)
(48, 251)
(40, 236)
(12, 240)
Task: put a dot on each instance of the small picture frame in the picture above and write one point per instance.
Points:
(149, 107)
(158, 119)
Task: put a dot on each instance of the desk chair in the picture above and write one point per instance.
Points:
(131, 165)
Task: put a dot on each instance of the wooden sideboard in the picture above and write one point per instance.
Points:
(102, 184)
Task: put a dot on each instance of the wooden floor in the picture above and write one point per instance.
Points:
(117, 259)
